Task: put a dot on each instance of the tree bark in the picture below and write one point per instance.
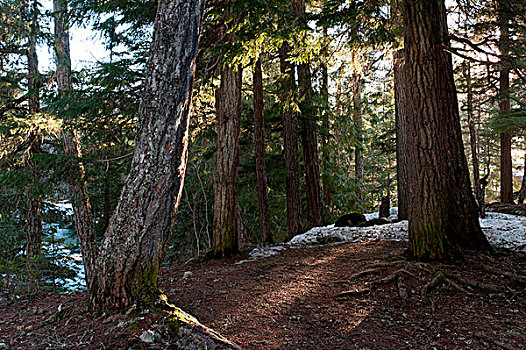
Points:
(443, 219)
(326, 132)
(402, 107)
(506, 176)
(34, 202)
(309, 138)
(228, 110)
(290, 144)
(142, 225)
(77, 187)
(261, 169)
(358, 133)
(522, 191)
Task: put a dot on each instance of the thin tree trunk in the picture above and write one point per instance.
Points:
(479, 196)
(326, 131)
(443, 218)
(522, 191)
(309, 138)
(402, 105)
(290, 144)
(261, 169)
(358, 133)
(77, 187)
(34, 202)
(142, 226)
(506, 176)
(228, 109)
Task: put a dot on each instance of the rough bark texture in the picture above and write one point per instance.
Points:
(290, 144)
(261, 169)
(142, 226)
(402, 107)
(34, 202)
(228, 111)
(309, 138)
(443, 217)
(77, 186)
(506, 176)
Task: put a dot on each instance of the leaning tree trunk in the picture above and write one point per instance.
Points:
(34, 202)
(309, 138)
(261, 169)
(290, 143)
(142, 225)
(77, 186)
(228, 110)
(443, 217)
(506, 176)
(402, 107)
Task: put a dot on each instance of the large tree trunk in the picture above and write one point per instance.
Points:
(443, 217)
(506, 176)
(142, 226)
(34, 202)
(402, 107)
(326, 131)
(290, 144)
(261, 169)
(309, 138)
(228, 110)
(77, 187)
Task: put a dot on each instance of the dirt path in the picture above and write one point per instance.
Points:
(294, 301)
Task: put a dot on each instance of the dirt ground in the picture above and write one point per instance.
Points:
(349, 296)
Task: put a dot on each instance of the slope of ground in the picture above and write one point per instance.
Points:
(306, 298)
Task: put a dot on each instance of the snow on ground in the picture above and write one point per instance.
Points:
(502, 231)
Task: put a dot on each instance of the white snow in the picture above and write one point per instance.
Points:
(502, 231)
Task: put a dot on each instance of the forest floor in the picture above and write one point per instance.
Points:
(360, 295)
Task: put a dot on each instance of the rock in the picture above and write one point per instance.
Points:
(150, 336)
(352, 219)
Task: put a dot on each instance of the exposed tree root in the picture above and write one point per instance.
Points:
(512, 276)
(441, 277)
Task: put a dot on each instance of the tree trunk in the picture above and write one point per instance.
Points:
(290, 144)
(522, 191)
(402, 108)
(309, 138)
(443, 217)
(479, 196)
(142, 226)
(261, 169)
(326, 133)
(228, 109)
(358, 133)
(34, 202)
(77, 187)
(506, 172)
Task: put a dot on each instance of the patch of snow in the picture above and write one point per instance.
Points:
(502, 231)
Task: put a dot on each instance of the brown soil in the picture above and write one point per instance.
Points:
(295, 301)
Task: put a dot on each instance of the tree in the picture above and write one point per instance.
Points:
(443, 217)
(259, 142)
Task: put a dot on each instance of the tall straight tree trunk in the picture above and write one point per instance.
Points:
(358, 133)
(309, 138)
(479, 195)
(34, 202)
(142, 226)
(326, 131)
(228, 110)
(261, 169)
(290, 144)
(443, 217)
(506, 176)
(522, 191)
(402, 107)
(77, 188)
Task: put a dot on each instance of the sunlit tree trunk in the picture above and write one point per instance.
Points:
(142, 226)
(290, 143)
(228, 111)
(261, 169)
(443, 219)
